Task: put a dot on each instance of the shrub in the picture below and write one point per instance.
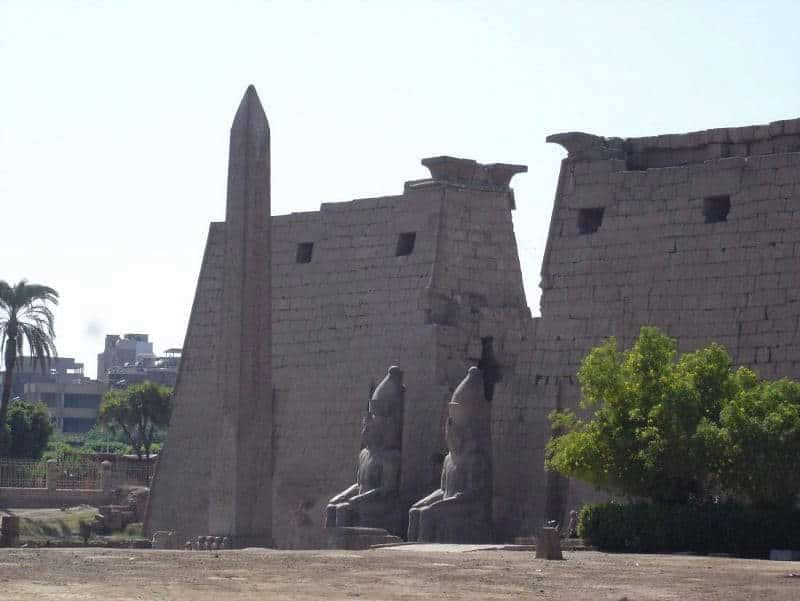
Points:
(651, 432)
(29, 429)
(759, 443)
(702, 527)
(60, 450)
(671, 430)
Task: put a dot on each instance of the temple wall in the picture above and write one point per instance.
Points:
(630, 244)
(657, 260)
(345, 319)
(479, 284)
(339, 322)
(180, 497)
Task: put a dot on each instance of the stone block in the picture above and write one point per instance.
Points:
(548, 544)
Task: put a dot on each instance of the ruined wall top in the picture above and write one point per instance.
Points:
(673, 150)
(469, 173)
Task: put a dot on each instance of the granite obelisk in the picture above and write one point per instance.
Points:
(240, 484)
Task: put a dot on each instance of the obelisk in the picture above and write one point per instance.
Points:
(240, 491)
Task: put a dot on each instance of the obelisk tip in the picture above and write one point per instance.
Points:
(251, 113)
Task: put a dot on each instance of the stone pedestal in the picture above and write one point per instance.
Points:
(548, 545)
(9, 530)
(355, 538)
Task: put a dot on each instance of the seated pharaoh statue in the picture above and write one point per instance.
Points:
(374, 500)
(461, 510)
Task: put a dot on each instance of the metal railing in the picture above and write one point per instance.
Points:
(73, 474)
(21, 473)
(124, 473)
(77, 474)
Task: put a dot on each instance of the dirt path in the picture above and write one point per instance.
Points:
(385, 575)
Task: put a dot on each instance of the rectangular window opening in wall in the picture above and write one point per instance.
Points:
(304, 252)
(590, 220)
(82, 401)
(78, 425)
(405, 244)
(716, 208)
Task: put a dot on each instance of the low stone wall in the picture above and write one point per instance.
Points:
(41, 498)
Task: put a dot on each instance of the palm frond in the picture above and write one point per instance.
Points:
(28, 319)
(40, 343)
(27, 294)
(39, 315)
(5, 294)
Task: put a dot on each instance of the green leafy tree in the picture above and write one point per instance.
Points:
(758, 442)
(29, 429)
(139, 412)
(25, 317)
(59, 448)
(653, 431)
(101, 440)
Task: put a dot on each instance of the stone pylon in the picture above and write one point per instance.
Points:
(240, 487)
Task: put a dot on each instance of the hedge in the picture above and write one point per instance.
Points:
(701, 527)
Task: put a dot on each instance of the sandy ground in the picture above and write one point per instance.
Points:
(389, 574)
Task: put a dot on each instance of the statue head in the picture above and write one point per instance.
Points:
(386, 409)
(469, 397)
(387, 400)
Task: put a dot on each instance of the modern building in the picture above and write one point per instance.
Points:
(71, 398)
(61, 370)
(129, 359)
(72, 406)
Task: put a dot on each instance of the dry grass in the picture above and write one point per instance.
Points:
(54, 525)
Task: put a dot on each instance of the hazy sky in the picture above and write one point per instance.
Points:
(114, 118)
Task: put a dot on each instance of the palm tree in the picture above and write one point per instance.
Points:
(24, 317)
